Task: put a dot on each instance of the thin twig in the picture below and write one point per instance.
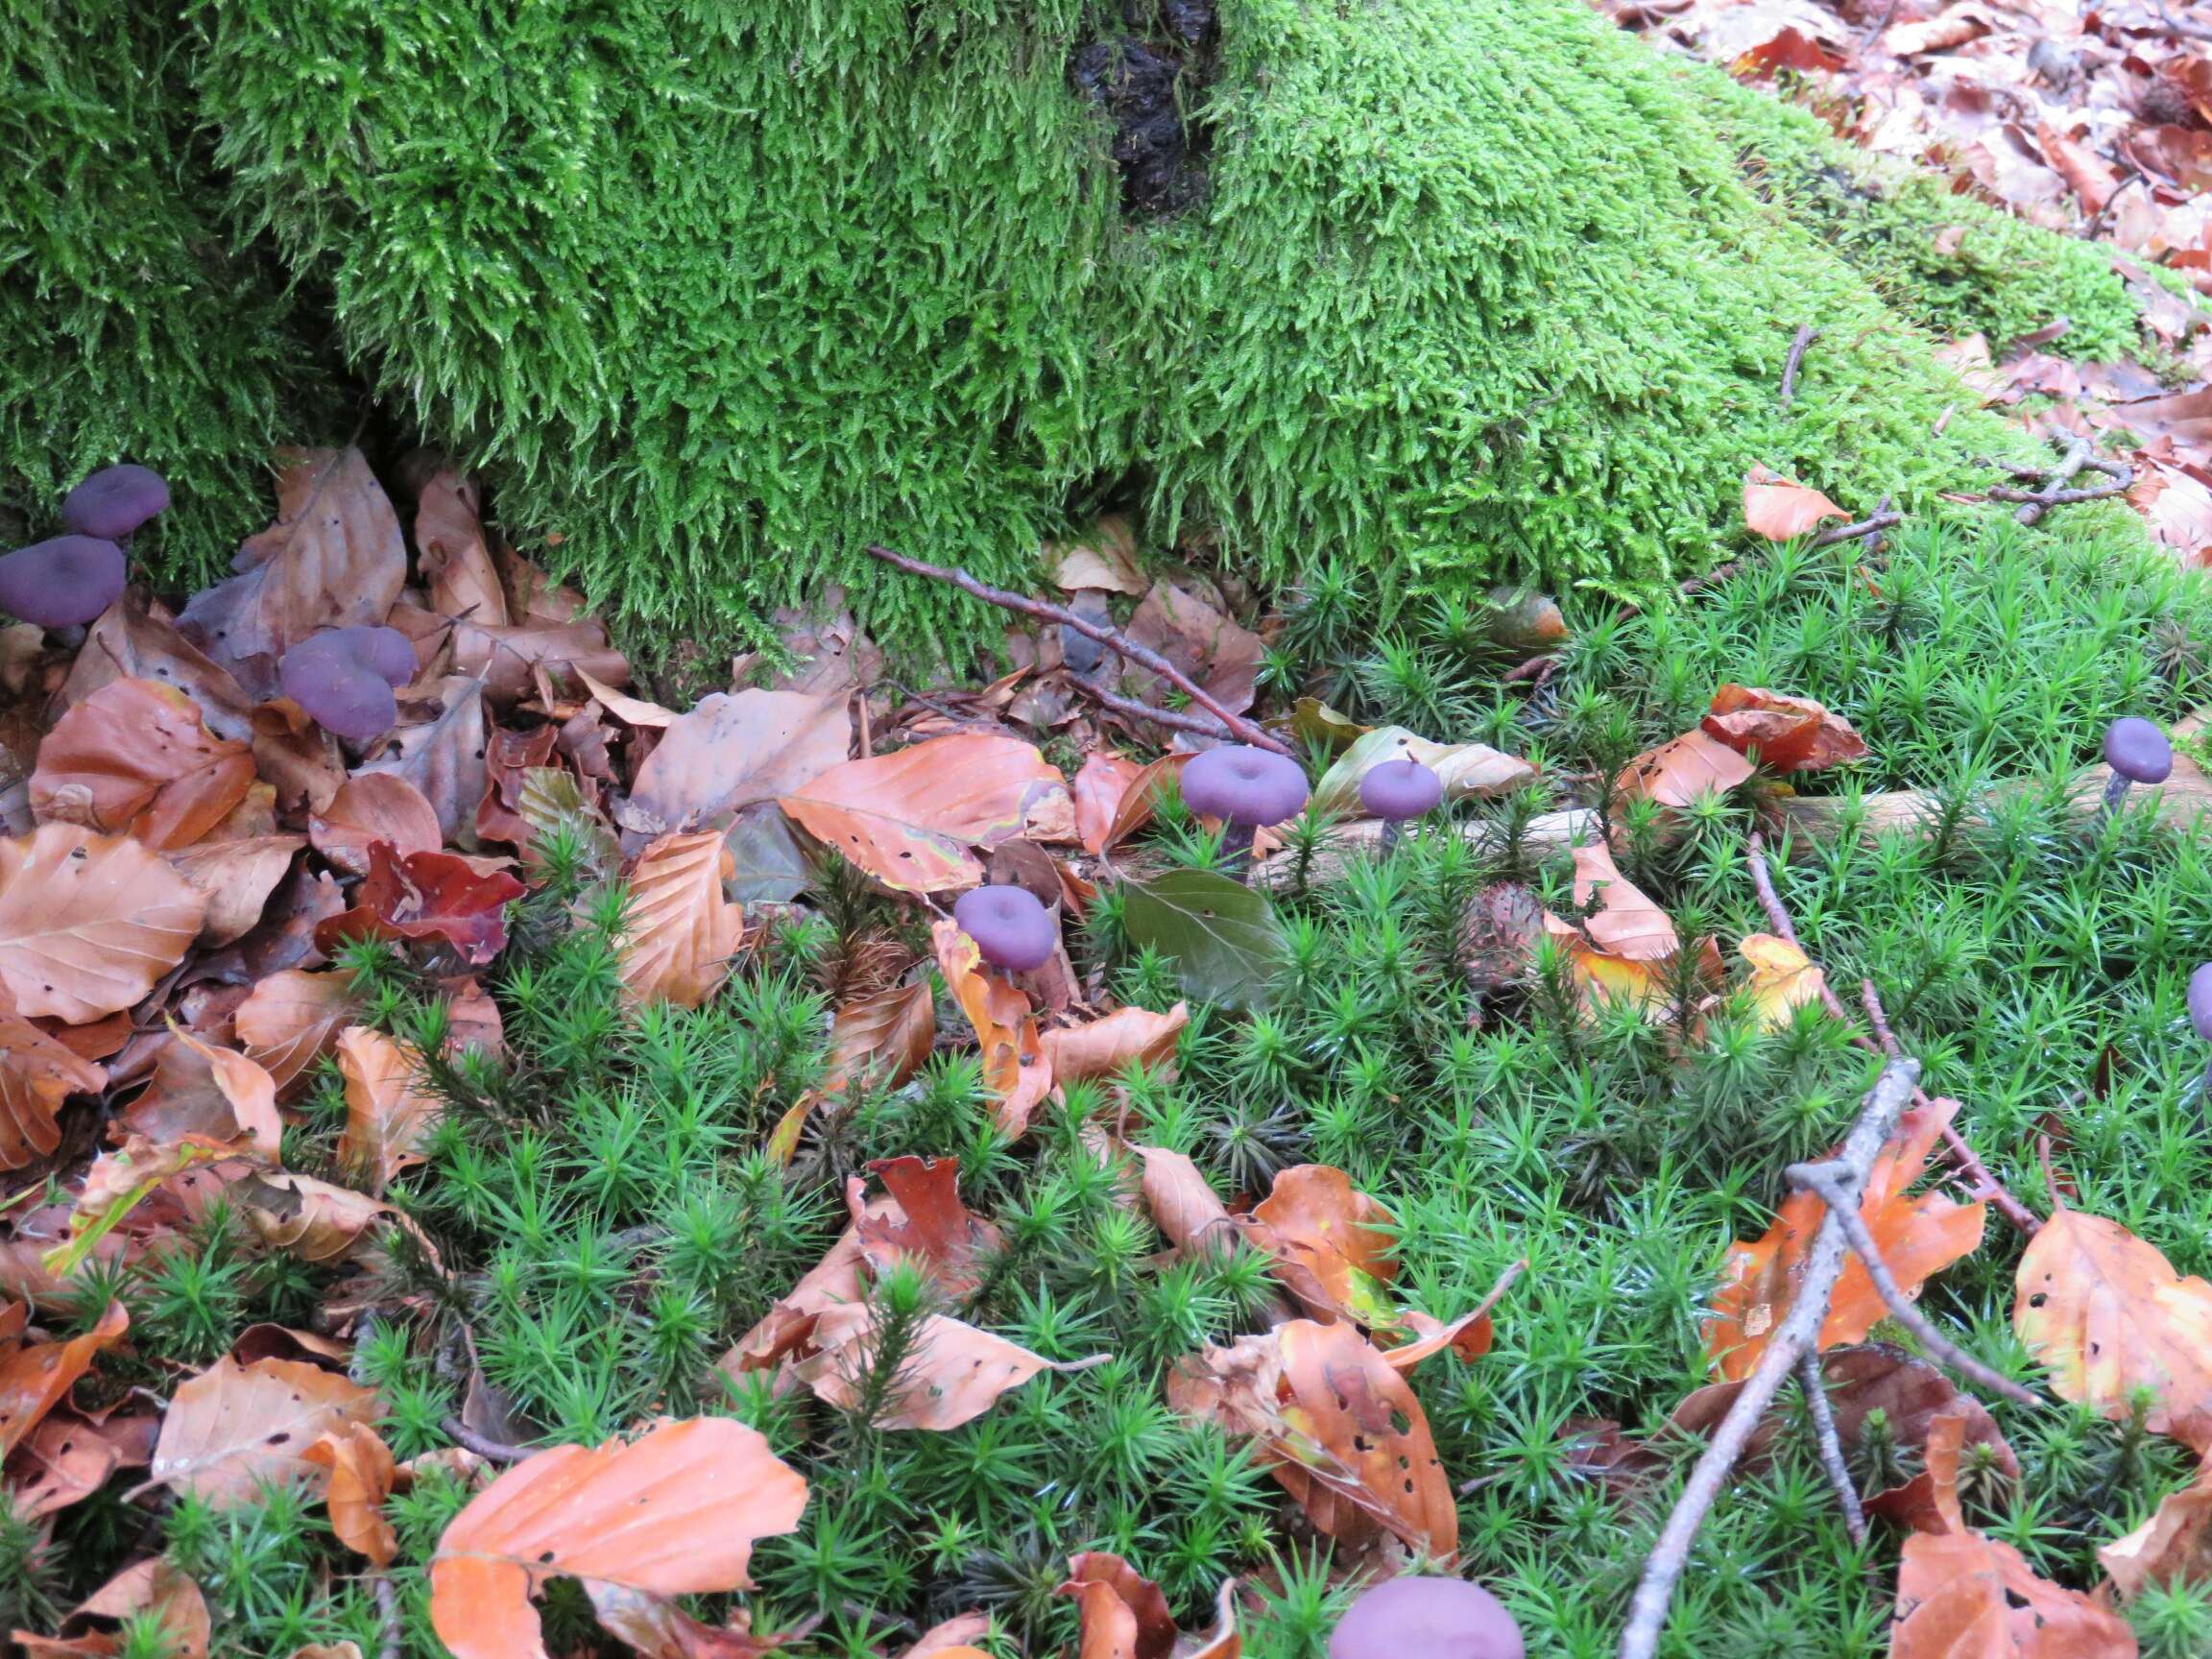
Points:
(388, 1610)
(2079, 453)
(1796, 1334)
(483, 1445)
(1814, 1388)
(1823, 1179)
(1806, 335)
(1113, 639)
(1874, 526)
(1129, 708)
(2037, 500)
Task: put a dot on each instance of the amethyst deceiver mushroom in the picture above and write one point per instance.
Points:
(2138, 752)
(61, 582)
(2201, 1019)
(1427, 1619)
(1397, 792)
(1247, 787)
(1011, 927)
(345, 678)
(115, 501)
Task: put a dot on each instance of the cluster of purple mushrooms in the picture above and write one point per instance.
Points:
(2139, 753)
(346, 679)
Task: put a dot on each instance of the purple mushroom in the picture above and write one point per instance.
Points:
(1427, 1619)
(1249, 788)
(2200, 1017)
(1397, 792)
(115, 501)
(1011, 929)
(345, 678)
(61, 582)
(2138, 752)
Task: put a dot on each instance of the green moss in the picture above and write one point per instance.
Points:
(128, 329)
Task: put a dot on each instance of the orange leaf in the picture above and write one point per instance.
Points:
(212, 1094)
(674, 1512)
(1917, 1236)
(884, 1038)
(2107, 1314)
(1142, 799)
(37, 1376)
(678, 934)
(236, 878)
(927, 1221)
(1961, 1596)
(361, 1475)
(1783, 979)
(88, 922)
(292, 1019)
(155, 1587)
(1790, 733)
(955, 1375)
(1626, 922)
(1101, 787)
(1781, 511)
(429, 896)
(372, 807)
(37, 1075)
(1015, 1066)
(1680, 770)
(233, 1428)
(1104, 1048)
(2173, 1547)
(1331, 1242)
(789, 1325)
(388, 1115)
(1183, 1205)
(910, 818)
(136, 758)
(1124, 1615)
(733, 750)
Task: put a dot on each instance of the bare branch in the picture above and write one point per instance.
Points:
(1806, 335)
(1814, 1388)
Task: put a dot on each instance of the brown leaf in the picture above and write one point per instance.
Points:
(313, 1219)
(674, 1512)
(951, 1638)
(506, 658)
(2181, 154)
(1781, 511)
(443, 757)
(37, 1075)
(130, 642)
(456, 563)
(1142, 799)
(678, 932)
(37, 1376)
(1332, 1245)
(427, 895)
(152, 1587)
(1099, 787)
(236, 879)
(67, 1458)
(374, 806)
(654, 1627)
(2172, 1549)
(88, 922)
(789, 1325)
(1125, 1037)
(1918, 1237)
(2107, 1314)
(235, 1427)
(1790, 733)
(1016, 1068)
(200, 1090)
(1123, 1614)
(292, 1020)
(881, 1039)
(361, 1475)
(1961, 1596)
(1681, 769)
(135, 758)
(334, 557)
(1204, 642)
(733, 750)
(1104, 558)
(388, 1115)
(910, 818)
(930, 1224)
(954, 1376)
(1184, 1204)
(472, 1020)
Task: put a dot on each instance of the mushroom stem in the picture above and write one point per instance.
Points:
(1237, 850)
(1391, 832)
(2115, 787)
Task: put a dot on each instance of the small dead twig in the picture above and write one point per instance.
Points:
(1806, 335)
(1113, 639)
(2057, 489)
(1886, 519)
(1130, 708)
(1814, 1387)
(388, 1610)
(1796, 1335)
(2180, 25)
(483, 1445)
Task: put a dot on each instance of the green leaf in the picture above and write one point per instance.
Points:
(1224, 937)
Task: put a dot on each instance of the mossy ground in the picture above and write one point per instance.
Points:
(614, 1225)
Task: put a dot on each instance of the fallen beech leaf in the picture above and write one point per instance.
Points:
(1467, 770)
(1961, 1596)
(509, 659)
(1786, 49)
(1680, 770)
(2173, 1547)
(428, 896)
(374, 806)
(955, 1375)
(1100, 784)
(37, 1376)
(1227, 942)
(1123, 1614)
(334, 557)
(2107, 1314)
(951, 1640)
(292, 1019)
(203, 1092)
(1125, 1037)
(37, 1075)
(1938, 34)
(1775, 508)
(1142, 799)
(931, 1224)
(456, 563)
(1626, 949)
(116, 1184)
(1331, 1242)
(236, 878)
(630, 710)
(789, 1325)
(674, 1512)
(472, 1020)
(443, 757)
(1183, 1205)
(879, 1040)
(910, 818)
(1105, 557)
(1201, 640)
(361, 1475)
(1790, 733)
(152, 1587)
(1783, 979)
(1016, 1068)
(551, 802)
(678, 932)
(88, 922)
(733, 750)
(387, 1114)
(67, 1458)
(235, 1427)
(1331, 731)
(1918, 1237)
(135, 758)
(314, 1219)
(2181, 154)
(511, 757)
(654, 1627)
(130, 643)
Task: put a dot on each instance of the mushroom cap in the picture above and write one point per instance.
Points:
(1399, 789)
(345, 678)
(1427, 1619)
(1011, 929)
(60, 583)
(114, 501)
(2200, 1001)
(1245, 785)
(2138, 751)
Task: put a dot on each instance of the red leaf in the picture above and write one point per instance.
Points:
(427, 895)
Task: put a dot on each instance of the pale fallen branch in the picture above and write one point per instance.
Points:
(1814, 1387)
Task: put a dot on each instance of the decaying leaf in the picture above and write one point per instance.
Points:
(2173, 1547)
(1016, 1068)
(955, 1375)
(136, 758)
(1467, 770)
(926, 1222)
(1183, 1205)
(880, 1039)
(88, 922)
(1626, 948)
(678, 932)
(674, 1512)
(1783, 979)
(1200, 640)
(372, 807)
(37, 1075)
(1125, 1037)
(2107, 1314)
(1961, 1596)
(314, 1219)
(732, 751)
(292, 1019)
(443, 757)
(1100, 783)
(67, 1458)
(1781, 511)
(1789, 733)
(236, 877)
(208, 1093)
(389, 1114)
(361, 1475)
(1680, 770)
(154, 1587)
(1124, 1615)
(36, 1377)
(235, 1427)
(456, 562)
(789, 1325)
(430, 896)
(1142, 799)
(1918, 1237)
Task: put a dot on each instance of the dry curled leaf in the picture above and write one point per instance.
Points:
(2173, 1547)
(455, 559)
(136, 758)
(1781, 511)
(1466, 770)
(37, 1075)
(674, 1512)
(1183, 1205)
(1126, 1037)
(209, 1092)
(236, 877)
(88, 922)
(733, 750)
(443, 755)
(1100, 783)
(314, 1219)
(1016, 1068)
(361, 1475)
(678, 934)
(1682, 769)
(389, 1113)
(430, 896)
(1789, 733)
(1626, 949)
(926, 1221)
(881, 1039)
(234, 1427)
(1961, 1596)
(154, 1587)
(68, 1458)
(36, 1377)
(1123, 1614)
(789, 1325)
(1783, 979)
(292, 1019)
